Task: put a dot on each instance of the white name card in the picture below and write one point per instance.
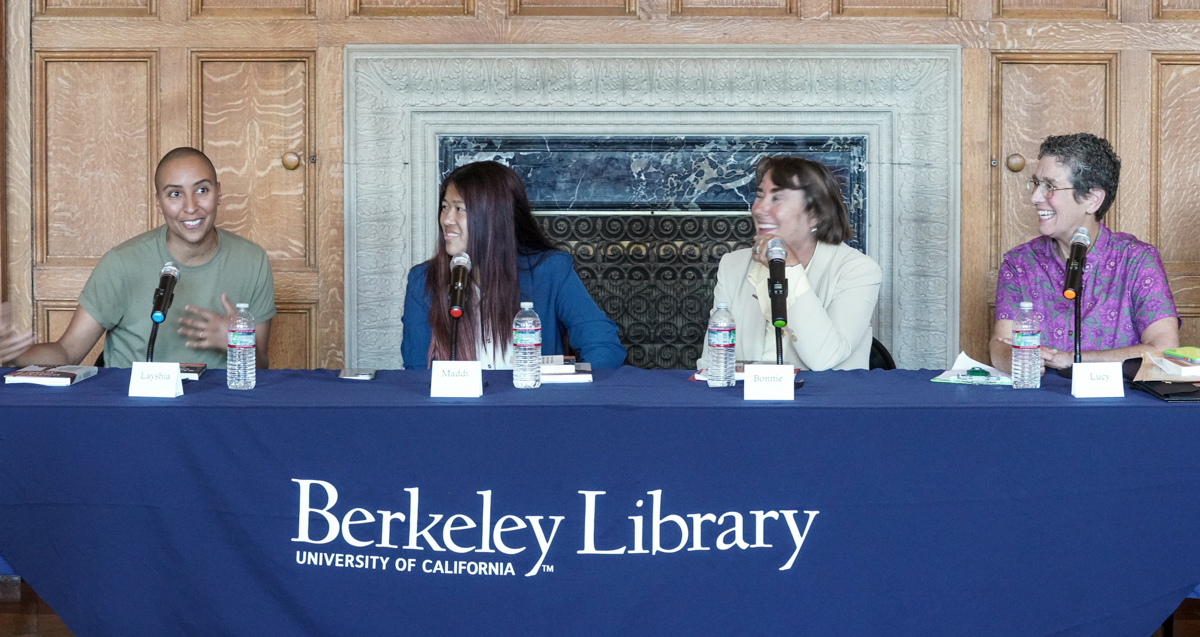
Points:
(456, 379)
(769, 382)
(1097, 380)
(155, 380)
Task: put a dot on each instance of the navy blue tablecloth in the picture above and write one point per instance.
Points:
(924, 509)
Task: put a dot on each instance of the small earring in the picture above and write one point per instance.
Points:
(812, 229)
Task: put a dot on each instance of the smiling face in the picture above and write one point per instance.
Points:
(781, 212)
(188, 194)
(453, 220)
(1059, 214)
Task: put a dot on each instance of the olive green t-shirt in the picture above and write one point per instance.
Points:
(120, 295)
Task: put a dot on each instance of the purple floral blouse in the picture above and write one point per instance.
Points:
(1124, 291)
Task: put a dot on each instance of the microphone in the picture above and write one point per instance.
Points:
(1080, 241)
(460, 267)
(165, 292)
(777, 281)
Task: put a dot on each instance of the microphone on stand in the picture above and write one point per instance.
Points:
(1080, 242)
(777, 281)
(460, 267)
(165, 292)
(162, 302)
(1073, 286)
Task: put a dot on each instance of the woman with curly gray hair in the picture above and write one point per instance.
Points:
(1127, 307)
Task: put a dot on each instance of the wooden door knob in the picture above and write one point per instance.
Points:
(1015, 162)
(291, 161)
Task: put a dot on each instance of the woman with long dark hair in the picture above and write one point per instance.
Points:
(485, 213)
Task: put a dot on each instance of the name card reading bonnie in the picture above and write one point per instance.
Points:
(456, 379)
(769, 382)
(155, 380)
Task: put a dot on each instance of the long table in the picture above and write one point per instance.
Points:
(641, 504)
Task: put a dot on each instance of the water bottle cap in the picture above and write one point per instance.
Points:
(722, 306)
(243, 306)
(526, 305)
(1026, 305)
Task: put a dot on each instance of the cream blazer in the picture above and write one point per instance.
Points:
(830, 306)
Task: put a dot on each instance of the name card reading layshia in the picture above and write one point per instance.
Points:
(769, 382)
(456, 379)
(1097, 380)
(155, 380)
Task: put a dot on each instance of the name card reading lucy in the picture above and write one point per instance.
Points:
(155, 380)
(1097, 380)
(769, 382)
(456, 379)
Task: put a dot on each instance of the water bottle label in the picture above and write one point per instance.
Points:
(1026, 339)
(527, 337)
(241, 338)
(722, 336)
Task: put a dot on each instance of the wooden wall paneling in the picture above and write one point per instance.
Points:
(52, 320)
(896, 8)
(18, 185)
(1035, 95)
(383, 8)
(582, 7)
(762, 8)
(94, 152)
(293, 332)
(252, 113)
(330, 312)
(975, 321)
(3, 158)
(96, 8)
(1057, 9)
(1175, 160)
(1176, 9)
(253, 8)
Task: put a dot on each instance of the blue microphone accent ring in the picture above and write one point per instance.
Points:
(158, 317)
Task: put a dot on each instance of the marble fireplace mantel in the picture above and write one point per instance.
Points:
(905, 100)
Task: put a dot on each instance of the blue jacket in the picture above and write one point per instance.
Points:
(558, 297)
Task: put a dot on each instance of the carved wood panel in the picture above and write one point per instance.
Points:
(52, 320)
(94, 153)
(1175, 162)
(254, 8)
(96, 8)
(253, 116)
(574, 7)
(253, 120)
(734, 7)
(896, 8)
(411, 7)
(1176, 9)
(293, 333)
(1057, 9)
(1035, 95)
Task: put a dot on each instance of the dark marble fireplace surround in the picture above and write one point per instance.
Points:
(639, 161)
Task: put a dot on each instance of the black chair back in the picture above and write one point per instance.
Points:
(880, 357)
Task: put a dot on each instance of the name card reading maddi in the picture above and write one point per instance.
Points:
(456, 379)
(155, 380)
(769, 382)
(1097, 380)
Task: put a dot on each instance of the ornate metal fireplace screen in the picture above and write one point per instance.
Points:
(647, 219)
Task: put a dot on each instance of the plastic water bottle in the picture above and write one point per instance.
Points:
(1026, 349)
(527, 348)
(722, 353)
(240, 364)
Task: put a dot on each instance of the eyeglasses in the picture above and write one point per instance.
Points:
(1033, 183)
